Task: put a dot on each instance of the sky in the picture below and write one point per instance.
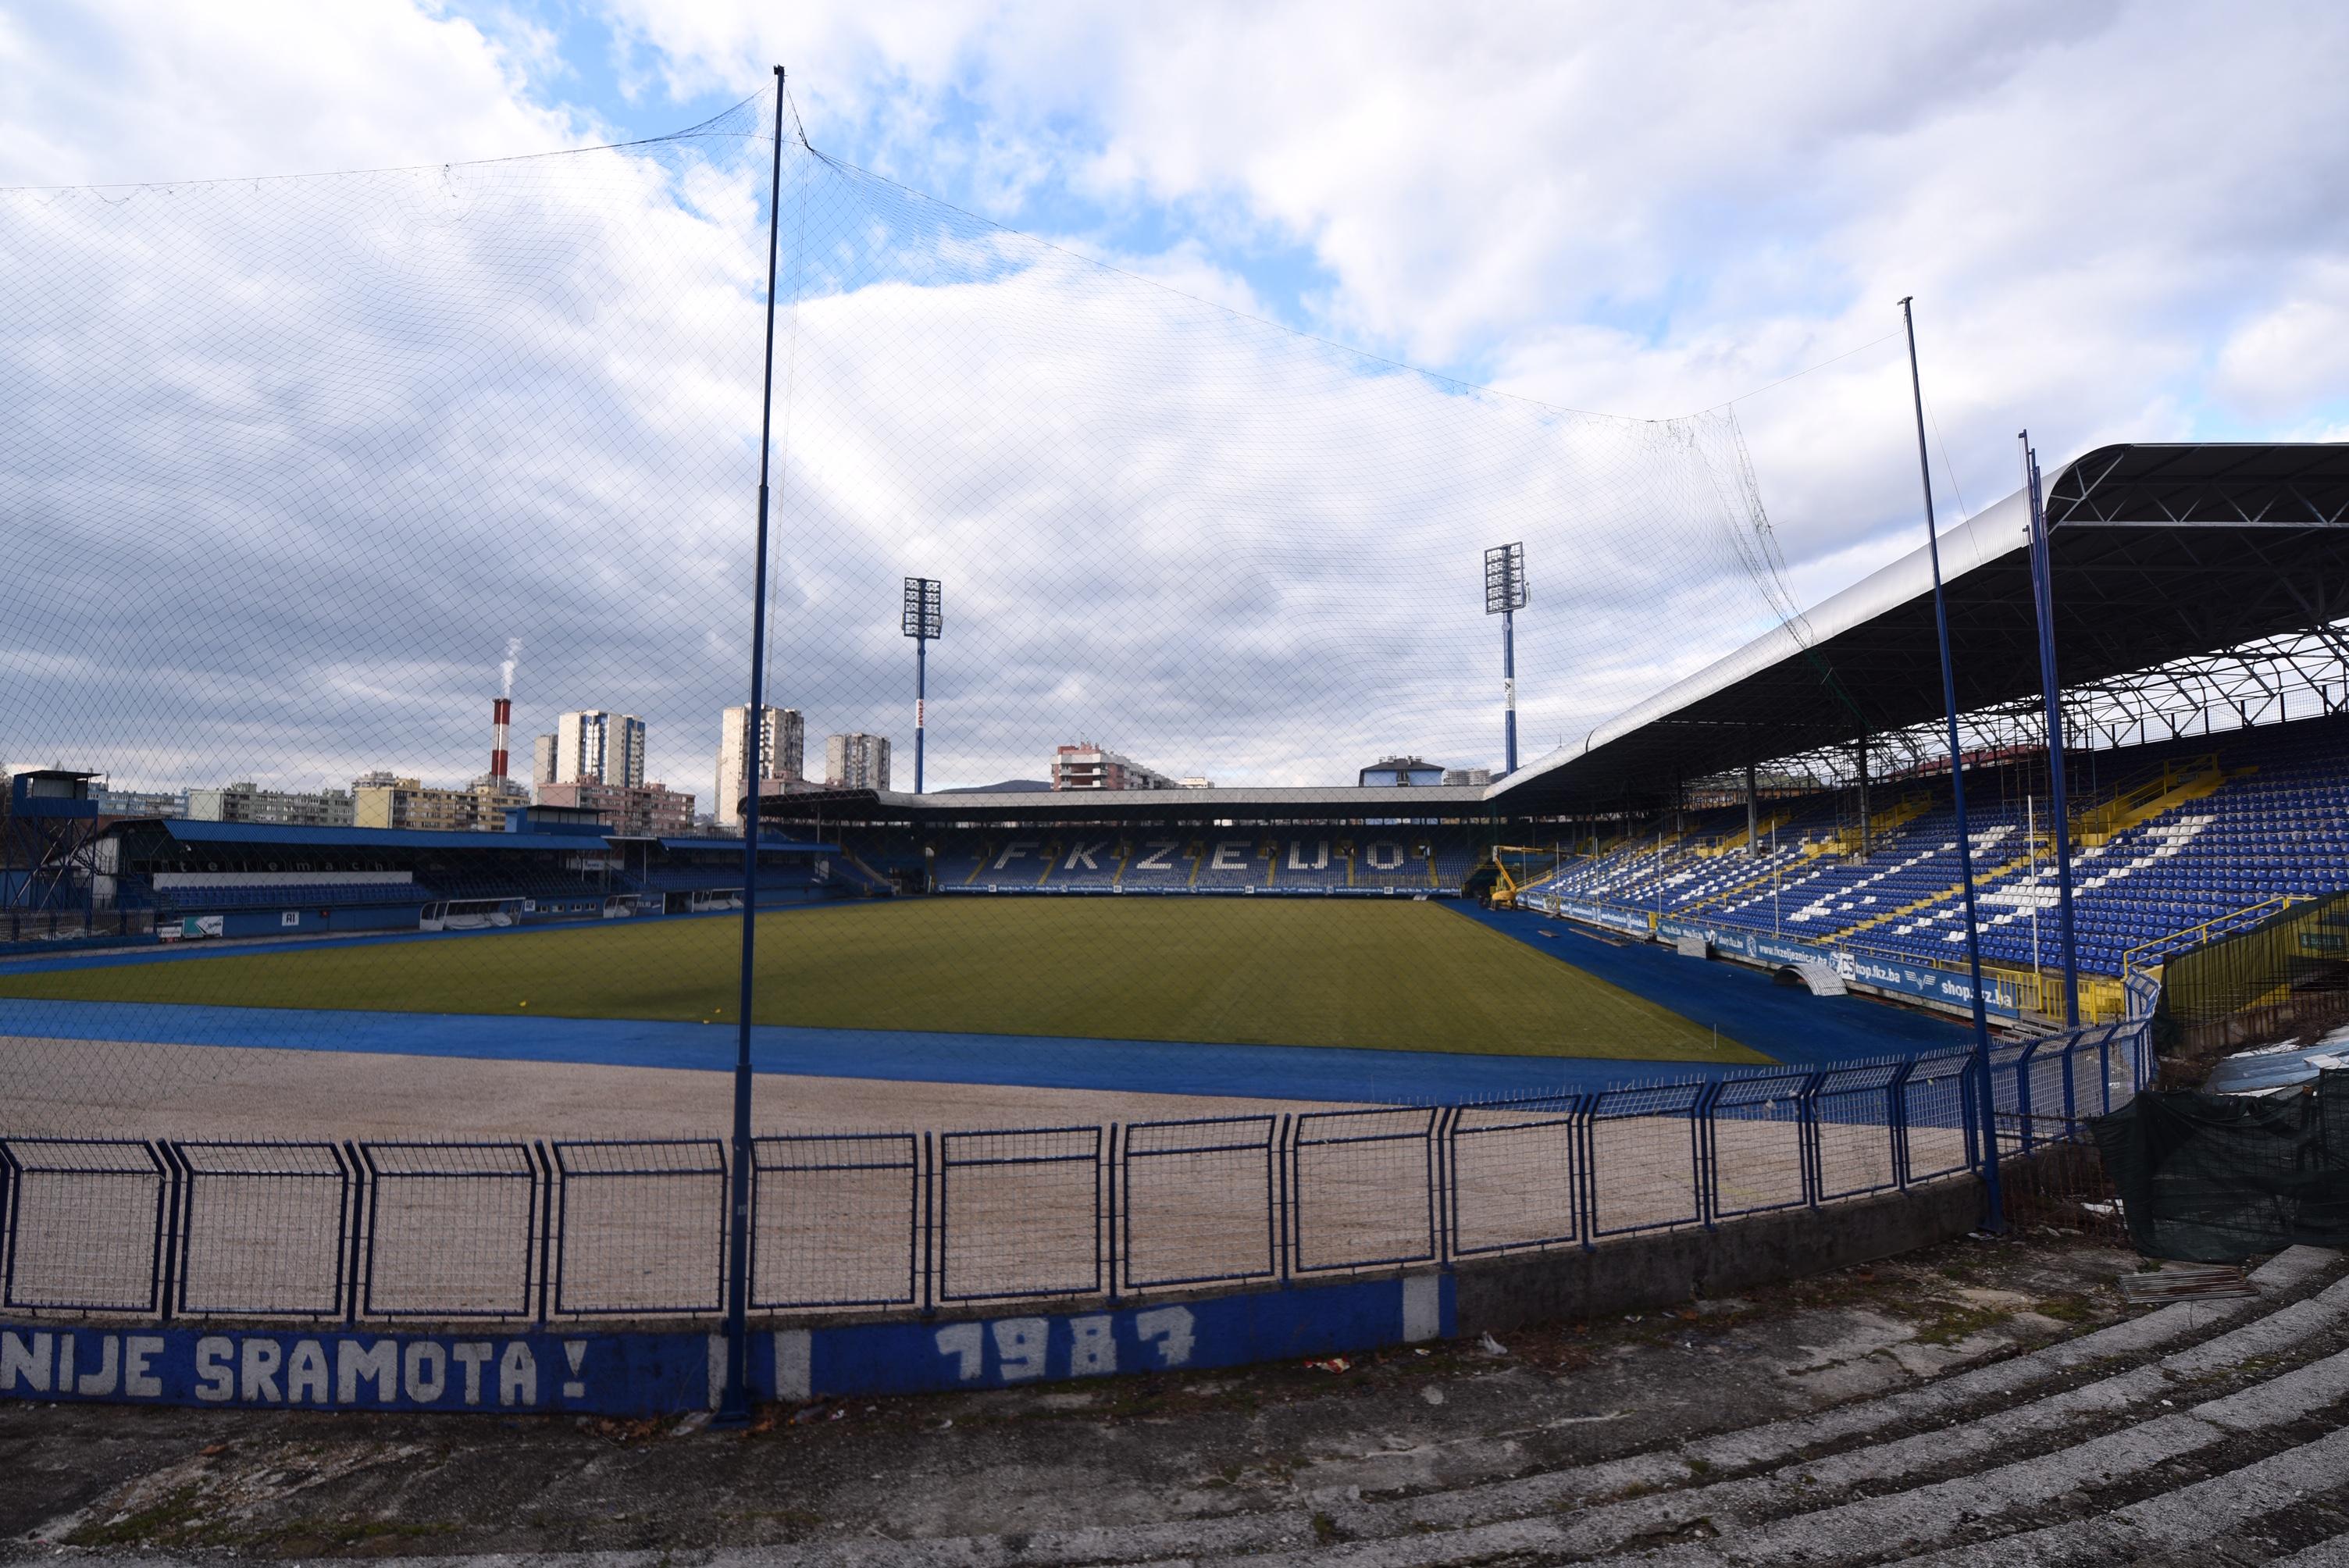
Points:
(306, 454)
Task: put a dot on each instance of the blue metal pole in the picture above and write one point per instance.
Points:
(2043, 593)
(1994, 1208)
(921, 695)
(734, 1400)
(1509, 683)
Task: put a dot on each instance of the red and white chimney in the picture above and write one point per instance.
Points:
(501, 718)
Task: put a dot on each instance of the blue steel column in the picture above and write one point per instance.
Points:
(2043, 592)
(921, 703)
(734, 1400)
(1509, 684)
(1994, 1208)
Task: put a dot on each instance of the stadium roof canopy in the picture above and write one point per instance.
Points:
(767, 846)
(1343, 803)
(2158, 553)
(191, 831)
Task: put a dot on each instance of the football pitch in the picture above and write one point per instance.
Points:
(1403, 975)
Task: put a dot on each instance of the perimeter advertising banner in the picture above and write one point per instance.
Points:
(1890, 975)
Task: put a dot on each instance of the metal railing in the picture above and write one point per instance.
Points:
(563, 1231)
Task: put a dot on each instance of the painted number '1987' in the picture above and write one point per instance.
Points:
(1026, 1347)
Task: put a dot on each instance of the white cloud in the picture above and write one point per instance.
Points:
(2294, 355)
(1211, 544)
(115, 91)
(1647, 211)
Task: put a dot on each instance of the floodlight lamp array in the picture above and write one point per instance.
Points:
(923, 618)
(1505, 579)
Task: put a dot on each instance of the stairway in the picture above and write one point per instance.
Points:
(2173, 786)
(2201, 1432)
(1881, 825)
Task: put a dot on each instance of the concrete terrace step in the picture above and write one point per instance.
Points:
(1781, 1441)
(2225, 1509)
(2202, 1432)
(1837, 1508)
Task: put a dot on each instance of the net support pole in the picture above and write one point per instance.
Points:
(2043, 593)
(1509, 689)
(734, 1399)
(1752, 818)
(1993, 1208)
(921, 703)
(1865, 848)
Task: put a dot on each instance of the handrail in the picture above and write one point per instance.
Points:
(2279, 904)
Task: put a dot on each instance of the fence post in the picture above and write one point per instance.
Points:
(1895, 1116)
(1108, 1179)
(1447, 1194)
(544, 1164)
(179, 1183)
(164, 1268)
(354, 1192)
(1708, 1174)
(1970, 1084)
(1285, 1147)
(2022, 1095)
(2072, 1044)
(929, 1180)
(1586, 1194)
(1809, 1155)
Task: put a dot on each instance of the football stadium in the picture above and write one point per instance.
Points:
(1815, 921)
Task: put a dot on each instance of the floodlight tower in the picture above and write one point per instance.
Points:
(922, 622)
(1504, 595)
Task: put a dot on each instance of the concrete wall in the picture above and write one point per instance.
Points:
(575, 1367)
(1670, 1267)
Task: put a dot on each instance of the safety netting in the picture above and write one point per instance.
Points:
(2219, 1178)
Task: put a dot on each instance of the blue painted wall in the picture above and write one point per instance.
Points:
(484, 1371)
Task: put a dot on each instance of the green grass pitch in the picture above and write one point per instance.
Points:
(1403, 975)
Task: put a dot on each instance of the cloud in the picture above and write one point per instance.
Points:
(115, 91)
(1647, 212)
(305, 454)
(302, 455)
(2294, 356)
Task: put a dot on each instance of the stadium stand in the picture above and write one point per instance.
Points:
(1203, 858)
(2195, 839)
(183, 901)
(238, 880)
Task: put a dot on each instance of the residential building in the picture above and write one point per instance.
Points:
(541, 760)
(1399, 772)
(493, 793)
(857, 761)
(243, 801)
(651, 810)
(783, 755)
(1196, 781)
(1479, 777)
(141, 802)
(396, 802)
(1085, 766)
(598, 747)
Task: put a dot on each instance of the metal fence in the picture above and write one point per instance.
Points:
(569, 1230)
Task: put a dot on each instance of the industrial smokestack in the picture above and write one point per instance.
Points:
(501, 716)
